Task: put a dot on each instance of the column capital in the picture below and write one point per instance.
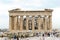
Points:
(11, 16)
(39, 16)
(27, 15)
(21, 16)
(33, 16)
(45, 15)
(50, 15)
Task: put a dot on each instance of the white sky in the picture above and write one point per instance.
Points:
(6, 5)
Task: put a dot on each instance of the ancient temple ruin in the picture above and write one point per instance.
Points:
(31, 20)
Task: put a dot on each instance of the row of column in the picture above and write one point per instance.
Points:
(45, 20)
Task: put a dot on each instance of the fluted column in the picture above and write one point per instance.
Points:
(50, 22)
(10, 23)
(15, 22)
(45, 23)
(21, 23)
(27, 18)
(39, 23)
(18, 22)
(33, 23)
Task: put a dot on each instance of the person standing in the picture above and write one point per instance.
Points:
(17, 38)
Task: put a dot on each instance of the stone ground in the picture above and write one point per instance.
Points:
(34, 38)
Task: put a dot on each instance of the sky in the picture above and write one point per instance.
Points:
(6, 5)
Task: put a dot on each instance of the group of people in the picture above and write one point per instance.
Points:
(47, 34)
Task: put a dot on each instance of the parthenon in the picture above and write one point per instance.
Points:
(32, 20)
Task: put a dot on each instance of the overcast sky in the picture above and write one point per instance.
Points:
(6, 5)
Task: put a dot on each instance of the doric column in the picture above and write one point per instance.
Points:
(45, 23)
(15, 22)
(33, 23)
(18, 22)
(27, 18)
(39, 23)
(21, 23)
(10, 23)
(50, 22)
